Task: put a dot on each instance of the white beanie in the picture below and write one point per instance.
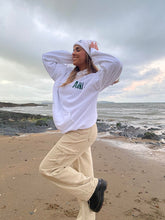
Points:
(85, 44)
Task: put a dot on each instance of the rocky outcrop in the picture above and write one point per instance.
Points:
(8, 104)
(12, 123)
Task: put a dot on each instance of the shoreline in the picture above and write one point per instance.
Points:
(142, 148)
(33, 123)
(135, 185)
(140, 141)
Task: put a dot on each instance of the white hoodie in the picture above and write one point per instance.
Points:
(75, 105)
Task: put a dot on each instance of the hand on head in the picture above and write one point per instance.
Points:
(94, 45)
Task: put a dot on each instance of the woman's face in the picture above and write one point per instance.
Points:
(79, 57)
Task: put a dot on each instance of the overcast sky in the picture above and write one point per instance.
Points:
(131, 30)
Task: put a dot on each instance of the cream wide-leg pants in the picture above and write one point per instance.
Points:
(69, 165)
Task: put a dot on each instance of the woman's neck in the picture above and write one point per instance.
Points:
(82, 67)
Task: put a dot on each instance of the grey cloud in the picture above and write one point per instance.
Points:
(133, 31)
(136, 28)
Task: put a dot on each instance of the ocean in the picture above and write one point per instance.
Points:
(143, 115)
(138, 115)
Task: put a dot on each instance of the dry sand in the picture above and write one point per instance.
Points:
(136, 186)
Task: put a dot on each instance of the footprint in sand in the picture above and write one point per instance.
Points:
(67, 212)
(53, 206)
(71, 212)
(118, 195)
(137, 200)
(133, 212)
(105, 171)
(154, 213)
(137, 213)
(100, 156)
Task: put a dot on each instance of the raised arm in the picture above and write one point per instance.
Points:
(110, 67)
(56, 62)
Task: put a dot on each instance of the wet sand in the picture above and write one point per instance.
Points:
(136, 186)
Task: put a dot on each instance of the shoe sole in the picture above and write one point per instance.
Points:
(101, 192)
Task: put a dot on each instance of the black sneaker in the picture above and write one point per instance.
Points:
(97, 199)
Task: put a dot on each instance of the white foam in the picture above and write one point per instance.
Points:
(140, 149)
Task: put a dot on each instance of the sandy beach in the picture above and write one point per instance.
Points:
(136, 186)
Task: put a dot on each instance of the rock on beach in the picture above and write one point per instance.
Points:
(12, 123)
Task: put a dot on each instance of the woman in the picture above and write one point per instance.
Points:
(69, 164)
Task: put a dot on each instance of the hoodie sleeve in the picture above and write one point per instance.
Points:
(110, 68)
(55, 63)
